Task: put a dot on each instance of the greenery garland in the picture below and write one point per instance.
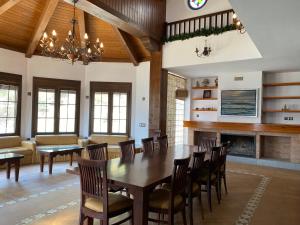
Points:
(201, 32)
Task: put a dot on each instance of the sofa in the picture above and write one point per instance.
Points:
(111, 140)
(14, 144)
(46, 141)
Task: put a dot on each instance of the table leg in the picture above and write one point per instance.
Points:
(50, 164)
(17, 169)
(140, 207)
(8, 170)
(42, 161)
(71, 158)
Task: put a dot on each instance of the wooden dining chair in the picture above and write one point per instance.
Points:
(96, 202)
(210, 173)
(98, 151)
(194, 185)
(171, 201)
(205, 144)
(127, 149)
(223, 158)
(163, 143)
(148, 145)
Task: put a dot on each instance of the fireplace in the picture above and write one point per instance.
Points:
(241, 145)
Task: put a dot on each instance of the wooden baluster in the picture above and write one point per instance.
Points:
(199, 25)
(184, 26)
(227, 19)
(189, 21)
(210, 22)
(222, 20)
(205, 23)
(216, 20)
(179, 28)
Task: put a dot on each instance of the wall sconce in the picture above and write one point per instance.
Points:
(238, 24)
(206, 51)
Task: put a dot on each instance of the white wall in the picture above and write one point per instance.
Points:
(226, 47)
(14, 62)
(178, 9)
(251, 80)
(282, 91)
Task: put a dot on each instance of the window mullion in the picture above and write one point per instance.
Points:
(110, 111)
(56, 110)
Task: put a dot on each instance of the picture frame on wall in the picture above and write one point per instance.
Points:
(207, 94)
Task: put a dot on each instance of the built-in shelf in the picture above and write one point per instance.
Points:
(282, 84)
(205, 88)
(281, 97)
(205, 110)
(204, 99)
(280, 111)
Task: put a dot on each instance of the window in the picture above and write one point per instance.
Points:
(10, 104)
(110, 108)
(56, 105)
(196, 4)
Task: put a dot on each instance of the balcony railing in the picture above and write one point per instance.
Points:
(205, 25)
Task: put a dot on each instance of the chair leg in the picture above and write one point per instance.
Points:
(184, 216)
(191, 209)
(200, 203)
(90, 221)
(225, 183)
(81, 219)
(208, 187)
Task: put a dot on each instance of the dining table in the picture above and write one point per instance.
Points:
(141, 174)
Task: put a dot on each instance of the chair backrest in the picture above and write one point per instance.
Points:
(127, 149)
(93, 181)
(179, 176)
(98, 151)
(205, 144)
(224, 151)
(215, 158)
(163, 143)
(148, 145)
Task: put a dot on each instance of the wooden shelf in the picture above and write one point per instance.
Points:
(280, 111)
(204, 99)
(282, 84)
(205, 88)
(205, 110)
(281, 97)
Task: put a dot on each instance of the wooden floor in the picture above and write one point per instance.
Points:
(257, 196)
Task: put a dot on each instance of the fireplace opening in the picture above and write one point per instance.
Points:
(241, 145)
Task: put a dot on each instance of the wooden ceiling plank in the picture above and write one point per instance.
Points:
(44, 19)
(8, 5)
(105, 13)
(128, 45)
(82, 31)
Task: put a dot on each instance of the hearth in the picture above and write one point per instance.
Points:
(241, 145)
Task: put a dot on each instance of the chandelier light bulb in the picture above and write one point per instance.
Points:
(89, 50)
(101, 45)
(51, 44)
(238, 23)
(234, 16)
(97, 41)
(70, 33)
(54, 33)
(45, 35)
(86, 37)
(62, 48)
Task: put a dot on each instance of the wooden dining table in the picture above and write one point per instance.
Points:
(143, 173)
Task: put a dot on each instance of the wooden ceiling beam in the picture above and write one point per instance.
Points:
(8, 5)
(82, 30)
(111, 16)
(124, 37)
(44, 19)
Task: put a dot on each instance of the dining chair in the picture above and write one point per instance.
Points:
(163, 143)
(194, 185)
(171, 201)
(205, 144)
(223, 157)
(210, 173)
(148, 145)
(96, 202)
(127, 149)
(98, 151)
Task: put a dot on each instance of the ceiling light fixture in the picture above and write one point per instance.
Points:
(238, 24)
(72, 49)
(206, 51)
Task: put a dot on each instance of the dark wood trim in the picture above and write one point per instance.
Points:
(14, 79)
(247, 127)
(57, 85)
(110, 87)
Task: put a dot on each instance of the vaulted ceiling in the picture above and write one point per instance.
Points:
(22, 22)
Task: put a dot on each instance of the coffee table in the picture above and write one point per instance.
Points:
(11, 159)
(52, 152)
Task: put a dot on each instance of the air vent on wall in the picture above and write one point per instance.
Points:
(238, 78)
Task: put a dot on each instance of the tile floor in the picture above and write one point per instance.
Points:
(257, 196)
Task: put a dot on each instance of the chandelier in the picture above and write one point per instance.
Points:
(206, 51)
(238, 24)
(72, 49)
